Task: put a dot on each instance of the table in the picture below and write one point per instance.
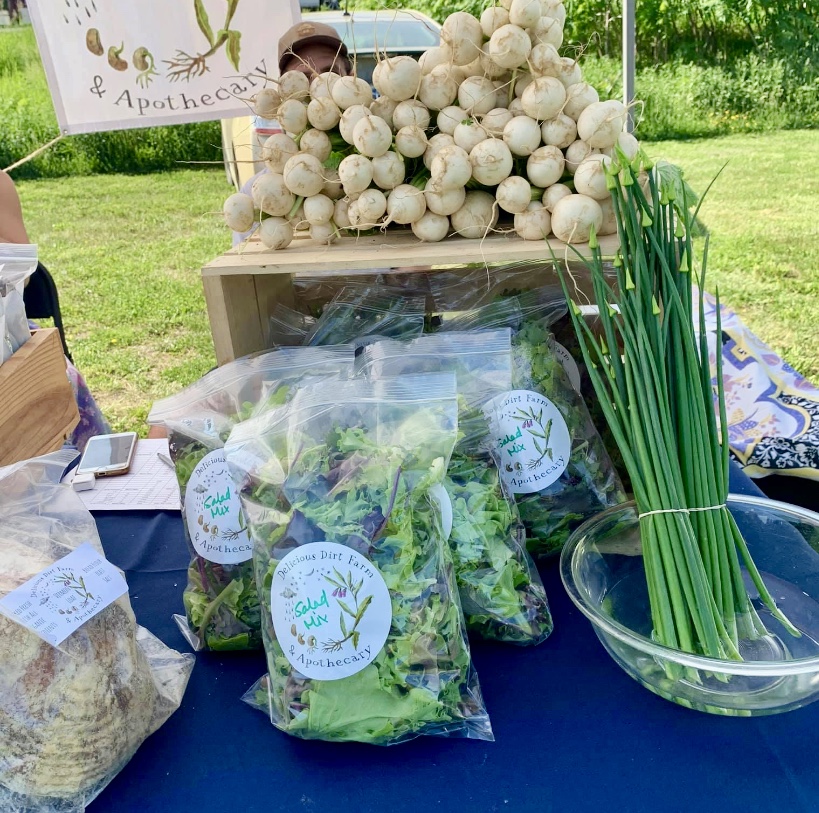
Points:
(573, 731)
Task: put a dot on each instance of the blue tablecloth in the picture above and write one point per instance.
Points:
(573, 731)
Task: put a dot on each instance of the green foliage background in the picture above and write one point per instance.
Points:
(705, 68)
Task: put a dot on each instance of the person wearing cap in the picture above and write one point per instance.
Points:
(310, 48)
(313, 48)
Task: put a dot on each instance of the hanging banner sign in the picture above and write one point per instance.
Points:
(115, 64)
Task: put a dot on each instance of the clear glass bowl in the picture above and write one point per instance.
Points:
(602, 569)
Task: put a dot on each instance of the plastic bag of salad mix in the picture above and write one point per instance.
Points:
(362, 625)
(363, 313)
(548, 451)
(221, 602)
(501, 591)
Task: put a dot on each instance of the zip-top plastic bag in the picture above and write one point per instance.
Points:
(501, 591)
(312, 292)
(545, 444)
(73, 710)
(363, 629)
(287, 327)
(362, 314)
(221, 602)
(18, 261)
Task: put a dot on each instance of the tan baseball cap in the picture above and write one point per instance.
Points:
(306, 33)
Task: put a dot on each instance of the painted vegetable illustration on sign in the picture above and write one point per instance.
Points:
(187, 66)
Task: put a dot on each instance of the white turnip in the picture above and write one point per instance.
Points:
(321, 87)
(411, 141)
(509, 46)
(266, 103)
(476, 218)
(355, 173)
(388, 170)
(462, 34)
(372, 136)
(430, 228)
(432, 57)
(323, 113)
(371, 205)
(590, 177)
(574, 216)
(350, 90)
(276, 232)
(349, 118)
(410, 112)
(544, 60)
(316, 142)
(601, 123)
(514, 194)
(535, 223)
(323, 233)
(578, 97)
(577, 152)
(444, 202)
(476, 95)
(547, 30)
(292, 115)
(491, 162)
(543, 98)
(271, 194)
(553, 194)
(436, 142)
(559, 131)
(294, 85)
(303, 175)
(544, 166)
(569, 72)
(492, 19)
(449, 118)
(525, 13)
(405, 204)
(468, 134)
(397, 77)
(522, 135)
(341, 214)
(438, 88)
(332, 184)
(384, 108)
(276, 150)
(239, 212)
(495, 120)
(450, 168)
(318, 209)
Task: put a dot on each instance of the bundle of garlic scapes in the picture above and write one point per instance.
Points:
(492, 120)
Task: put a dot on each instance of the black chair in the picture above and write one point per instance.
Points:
(43, 302)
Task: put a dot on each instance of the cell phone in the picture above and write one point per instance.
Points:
(108, 455)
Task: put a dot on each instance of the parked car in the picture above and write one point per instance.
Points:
(365, 33)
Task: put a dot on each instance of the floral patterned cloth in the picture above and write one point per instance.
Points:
(773, 412)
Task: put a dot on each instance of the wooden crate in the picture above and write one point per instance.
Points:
(242, 285)
(37, 405)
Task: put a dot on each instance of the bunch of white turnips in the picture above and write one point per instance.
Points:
(495, 106)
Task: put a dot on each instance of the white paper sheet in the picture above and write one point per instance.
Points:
(150, 484)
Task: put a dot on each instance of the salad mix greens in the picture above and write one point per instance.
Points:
(589, 483)
(222, 610)
(501, 592)
(356, 465)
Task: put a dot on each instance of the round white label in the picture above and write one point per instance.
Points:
(331, 610)
(530, 439)
(568, 363)
(214, 514)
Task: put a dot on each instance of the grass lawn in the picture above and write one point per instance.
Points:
(126, 253)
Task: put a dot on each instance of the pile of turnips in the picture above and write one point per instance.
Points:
(492, 121)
